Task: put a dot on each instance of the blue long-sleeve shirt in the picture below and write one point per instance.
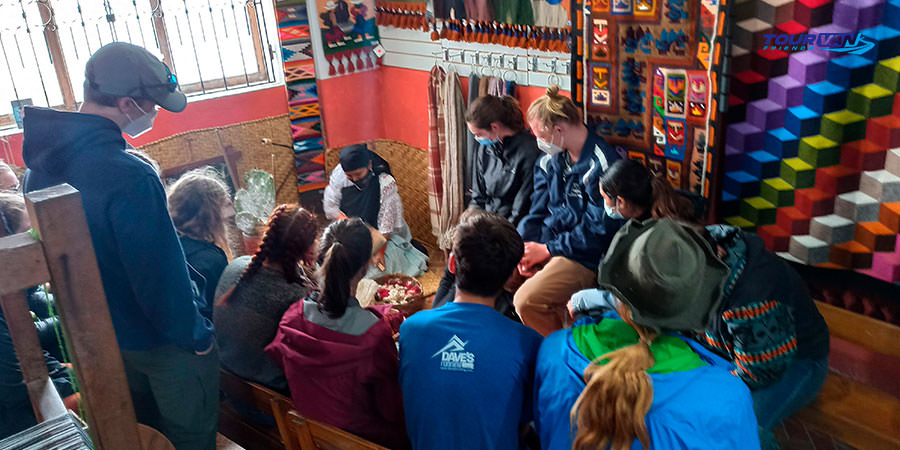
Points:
(151, 299)
(567, 212)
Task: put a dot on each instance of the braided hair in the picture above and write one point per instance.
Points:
(291, 233)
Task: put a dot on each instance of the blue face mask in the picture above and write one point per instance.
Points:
(612, 212)
(486, 142)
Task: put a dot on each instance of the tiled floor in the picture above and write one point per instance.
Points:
(794, 435)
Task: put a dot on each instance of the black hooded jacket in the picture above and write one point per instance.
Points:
(145, 277)
(503, 177)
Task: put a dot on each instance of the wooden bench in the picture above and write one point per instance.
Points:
(854, 413)
(252, 436)
(300, 433)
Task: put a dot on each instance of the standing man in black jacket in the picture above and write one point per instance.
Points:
(503, 177)
(167, 346)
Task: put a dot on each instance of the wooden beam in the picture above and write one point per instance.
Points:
(59, 219)
(162, 36)
(56, 53)
(30, 267)
(876, 335)
(44, 399)
(253, 18)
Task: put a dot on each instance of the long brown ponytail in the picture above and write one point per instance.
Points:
(668, 203)
(345, 250)
(610, 410)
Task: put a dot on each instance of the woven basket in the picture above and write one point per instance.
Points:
(410, 168)
(241, 147)
(415, 303)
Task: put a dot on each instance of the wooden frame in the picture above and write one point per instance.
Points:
(234, 426)
(65, 256)
(300, 433)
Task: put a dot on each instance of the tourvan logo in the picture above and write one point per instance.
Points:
(852, 43)
(455, 357)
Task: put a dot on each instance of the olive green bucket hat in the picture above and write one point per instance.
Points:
(667, 274)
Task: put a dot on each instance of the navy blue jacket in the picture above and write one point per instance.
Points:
(145, 277)
(567, 212)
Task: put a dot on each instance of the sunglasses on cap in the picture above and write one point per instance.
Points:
(171, 83)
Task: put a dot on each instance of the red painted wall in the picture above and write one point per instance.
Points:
(350, 108)
(214, 112)
(391, 103)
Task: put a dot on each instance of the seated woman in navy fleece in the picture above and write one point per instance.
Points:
(567, 231)
(340, 359)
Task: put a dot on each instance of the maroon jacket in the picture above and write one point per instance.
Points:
(350, 382)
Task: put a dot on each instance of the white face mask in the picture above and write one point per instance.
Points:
(549, 147)
(140, 125)
(612, 211)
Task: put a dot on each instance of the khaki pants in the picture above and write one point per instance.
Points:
(541, 300)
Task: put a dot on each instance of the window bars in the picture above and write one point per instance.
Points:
(211, 45)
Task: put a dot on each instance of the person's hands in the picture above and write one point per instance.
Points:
(535, 255)
(378, 261)
(71, 402)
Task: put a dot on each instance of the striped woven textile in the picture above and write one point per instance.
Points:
(436, 145)
(446, 150)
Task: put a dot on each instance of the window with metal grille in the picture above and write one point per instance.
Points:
(210, 45)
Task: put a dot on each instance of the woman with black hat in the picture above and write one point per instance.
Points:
(620, 379)
(362, 186)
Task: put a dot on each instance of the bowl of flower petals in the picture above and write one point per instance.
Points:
(400, 291)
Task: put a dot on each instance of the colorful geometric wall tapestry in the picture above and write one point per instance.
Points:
(303, 98)
(646, 73)
(349, 36)
(811, 159)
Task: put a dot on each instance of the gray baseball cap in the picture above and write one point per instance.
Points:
(121, 69)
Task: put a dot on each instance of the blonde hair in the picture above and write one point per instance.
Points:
(553, 108)
(196, 201)
(612, 407)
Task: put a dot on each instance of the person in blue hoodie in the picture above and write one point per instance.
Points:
(626, 380)
(168, 348)
(566, 231)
